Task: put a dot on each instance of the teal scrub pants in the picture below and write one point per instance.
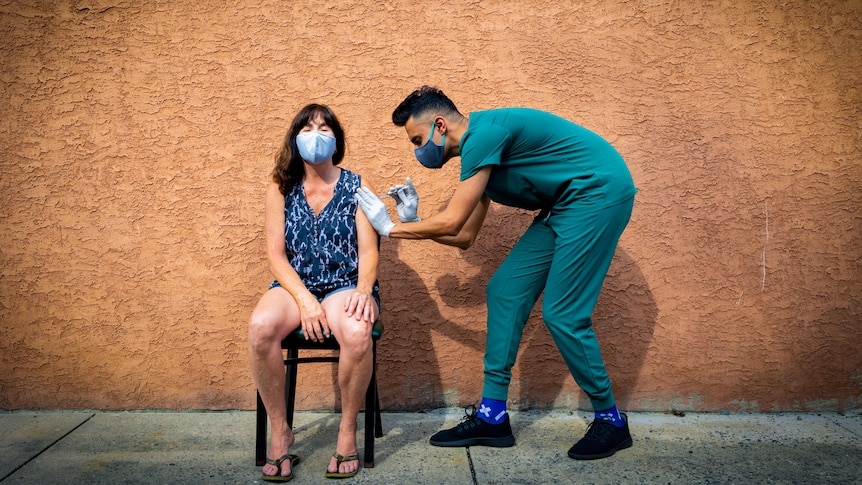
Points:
(567, 254)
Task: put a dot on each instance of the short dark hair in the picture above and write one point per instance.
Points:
(289, 167)
(421, 102)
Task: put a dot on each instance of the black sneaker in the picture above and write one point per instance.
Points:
(473, 431)
(603, 439)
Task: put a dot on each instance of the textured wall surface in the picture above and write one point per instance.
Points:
(137, 139)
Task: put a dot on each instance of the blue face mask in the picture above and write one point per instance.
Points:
(430, 155)
(315, 147)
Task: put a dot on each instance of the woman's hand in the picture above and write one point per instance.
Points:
(361, 305)
(313, 319)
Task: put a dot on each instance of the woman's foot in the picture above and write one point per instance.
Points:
(344, 466)
(291, 460)
(279, 448)
(344, 460)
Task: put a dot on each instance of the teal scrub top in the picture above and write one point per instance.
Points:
(542, 161)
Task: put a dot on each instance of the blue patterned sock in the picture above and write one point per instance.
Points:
(492, 411)
(611, 415)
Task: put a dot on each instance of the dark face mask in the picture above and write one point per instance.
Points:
(430, 155)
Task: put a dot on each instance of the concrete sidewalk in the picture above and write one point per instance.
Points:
(217, 448)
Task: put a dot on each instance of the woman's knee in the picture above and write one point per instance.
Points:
(262, 330)
(355, 338)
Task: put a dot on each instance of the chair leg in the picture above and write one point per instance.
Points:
(378, 428)
(378, 423)
(290, 385)
(260, 433)
(372, 413)
(371, 423)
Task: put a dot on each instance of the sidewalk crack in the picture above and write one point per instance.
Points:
(472, 470)
(22, 465)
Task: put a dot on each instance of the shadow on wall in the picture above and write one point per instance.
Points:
(624, 320)
(410, 378)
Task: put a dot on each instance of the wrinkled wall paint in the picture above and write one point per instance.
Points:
(137, 139)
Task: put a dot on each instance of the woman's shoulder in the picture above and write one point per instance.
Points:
(350, 182)
(350, 178)
(273, 192)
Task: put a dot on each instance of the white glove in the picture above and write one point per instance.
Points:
(406, 201)
(374, 210)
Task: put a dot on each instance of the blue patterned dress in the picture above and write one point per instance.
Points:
(323, 249)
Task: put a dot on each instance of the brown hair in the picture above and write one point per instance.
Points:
(289, 167)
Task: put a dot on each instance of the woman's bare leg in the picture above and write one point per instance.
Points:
(355, 364)
(275, 316)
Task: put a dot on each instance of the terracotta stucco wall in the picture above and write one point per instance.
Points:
(137, 138)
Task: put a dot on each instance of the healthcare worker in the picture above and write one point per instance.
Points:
(584, 194)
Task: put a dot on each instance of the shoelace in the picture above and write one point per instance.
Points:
(600, 429)
(469, 419)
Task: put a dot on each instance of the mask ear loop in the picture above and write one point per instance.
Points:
(431, 136)
(431, 133)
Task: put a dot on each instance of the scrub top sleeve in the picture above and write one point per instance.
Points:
(483, 146)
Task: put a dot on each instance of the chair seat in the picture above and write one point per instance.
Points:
(297, 339)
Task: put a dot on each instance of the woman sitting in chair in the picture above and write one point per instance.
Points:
(323, 253)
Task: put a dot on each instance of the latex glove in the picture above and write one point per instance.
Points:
(406, 201)
(374, 210)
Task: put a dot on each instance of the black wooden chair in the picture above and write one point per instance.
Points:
(293, 344)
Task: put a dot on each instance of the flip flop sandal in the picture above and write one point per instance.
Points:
(338, 461)
(294, 460)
